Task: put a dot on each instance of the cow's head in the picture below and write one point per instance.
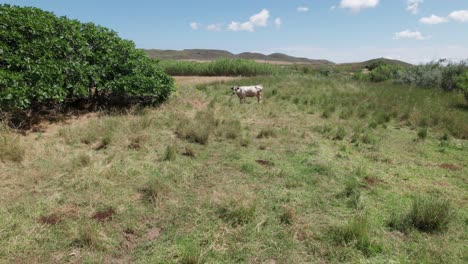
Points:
(234, 89)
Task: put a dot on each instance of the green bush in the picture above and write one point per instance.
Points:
(383, 73)
(462, 82)
(47, 60)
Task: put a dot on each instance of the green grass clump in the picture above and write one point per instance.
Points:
(428, 213)
(232, 129)
(237, 214)
(199, 129)
(11, 147)
(87, 236)
(352, 192)
(340, 133)
(266, 133)
(422, 133)
(170, 154)
(356, 233)
(190, 252)
(154, 189)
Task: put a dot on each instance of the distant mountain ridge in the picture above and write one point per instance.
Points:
(208, 55)
(212, 54)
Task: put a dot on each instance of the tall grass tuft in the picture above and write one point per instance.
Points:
(154, 189)
(232, 129)
(199, 129)
(352, 192)
(266, 133)
(428, 213)
(11, 147)
(237, 214)
(170, 154)
(356, 233)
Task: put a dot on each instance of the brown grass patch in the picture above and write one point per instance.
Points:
(449, 166)
(51, 219)
(265, 163)
(372, 181)
(104, 215)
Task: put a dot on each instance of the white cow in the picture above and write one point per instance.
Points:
(248, 91)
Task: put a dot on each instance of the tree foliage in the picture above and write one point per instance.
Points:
(50, 60)
(462, 82)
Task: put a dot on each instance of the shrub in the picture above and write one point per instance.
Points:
(383, 73)
(428, 213)
(48, 60)
(462, 82)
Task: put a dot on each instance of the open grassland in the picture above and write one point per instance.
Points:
(322, 171)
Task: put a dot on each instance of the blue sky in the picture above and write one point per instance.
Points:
(339, 30)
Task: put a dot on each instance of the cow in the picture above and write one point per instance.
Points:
(248, 91)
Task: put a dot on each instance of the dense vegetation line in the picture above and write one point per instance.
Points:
(443, 74)
(220, 67)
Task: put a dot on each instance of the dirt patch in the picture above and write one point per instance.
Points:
(104, 215)
(265, 163)
(449, 166)
(372, 181)
(153, 233)
(51, 219)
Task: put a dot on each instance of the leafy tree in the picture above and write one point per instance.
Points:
(462, 82)
(47, 60)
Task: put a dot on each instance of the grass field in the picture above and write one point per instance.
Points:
(323, 170)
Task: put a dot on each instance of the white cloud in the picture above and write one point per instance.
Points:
(303, 9)
(420, 54)
(257, 20)
(413, 5)
(194, 25)
(460, 15)
(433, 20)
(333, 7)
(358, 5)
(408, 34)
(278, 22)
(214, 27)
